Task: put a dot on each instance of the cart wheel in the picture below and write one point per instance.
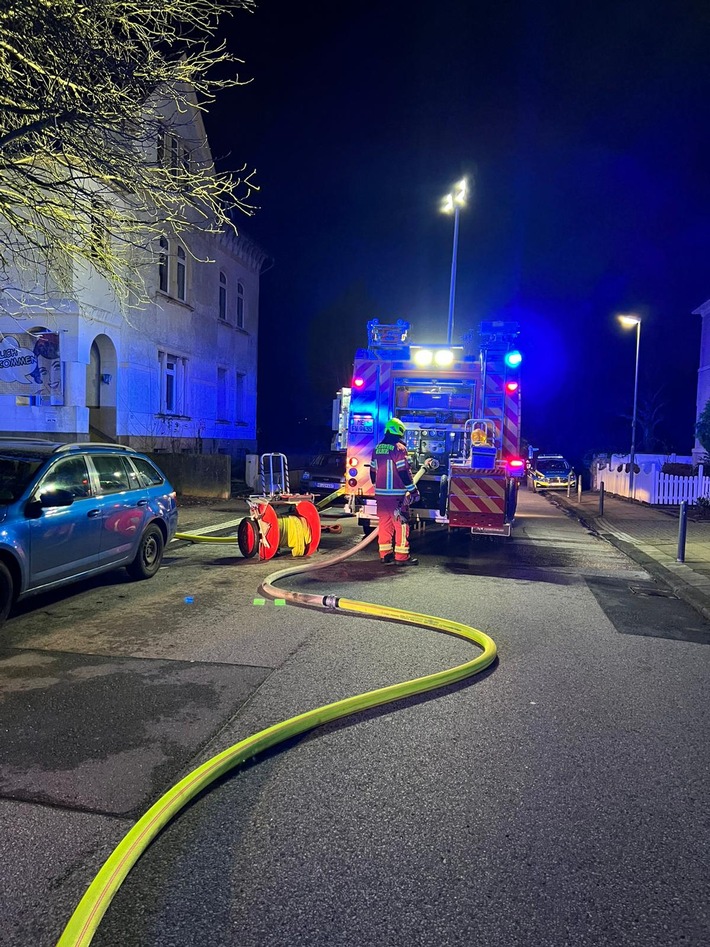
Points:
(309, 514)
(248, 538)
(268, 531)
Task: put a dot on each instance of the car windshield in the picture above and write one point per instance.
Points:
(553, 466)
(16, 471)
(330, 463)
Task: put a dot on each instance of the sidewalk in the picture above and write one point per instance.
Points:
(649, 536)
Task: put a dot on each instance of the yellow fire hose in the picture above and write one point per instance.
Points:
(86, 918)
(199, 538)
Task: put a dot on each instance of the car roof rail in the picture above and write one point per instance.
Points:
(82, 445)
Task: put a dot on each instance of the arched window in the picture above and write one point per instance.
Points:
(163, 265)
(240, 304)
(222, 296)
(180, 273)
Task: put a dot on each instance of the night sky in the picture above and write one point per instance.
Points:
(584, 129)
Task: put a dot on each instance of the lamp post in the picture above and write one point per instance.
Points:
(452, 204)
(629, 322)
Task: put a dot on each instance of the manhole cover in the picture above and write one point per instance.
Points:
(656, 593)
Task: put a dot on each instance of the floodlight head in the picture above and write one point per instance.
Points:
(461, 192)
(457, 197)
(629, 320)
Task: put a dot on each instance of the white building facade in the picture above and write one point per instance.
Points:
(178, 374)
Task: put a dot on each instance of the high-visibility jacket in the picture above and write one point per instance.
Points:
(389, 469)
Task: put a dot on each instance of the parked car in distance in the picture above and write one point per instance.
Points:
(70, 511)
(323, 475)
(551, 472)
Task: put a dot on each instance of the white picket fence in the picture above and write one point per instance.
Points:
(652, 486)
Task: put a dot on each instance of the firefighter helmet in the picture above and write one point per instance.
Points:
(395, 426)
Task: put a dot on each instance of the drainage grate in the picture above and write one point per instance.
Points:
(652, 592)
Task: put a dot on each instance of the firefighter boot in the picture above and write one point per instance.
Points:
(409, 561)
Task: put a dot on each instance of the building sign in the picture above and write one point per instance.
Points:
(31, 366)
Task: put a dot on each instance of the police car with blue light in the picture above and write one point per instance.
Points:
(551, 472)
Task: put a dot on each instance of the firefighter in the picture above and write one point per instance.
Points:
(395, 490)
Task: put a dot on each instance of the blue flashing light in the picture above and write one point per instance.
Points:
(513, 358)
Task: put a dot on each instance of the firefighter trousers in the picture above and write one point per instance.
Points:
(393, 527)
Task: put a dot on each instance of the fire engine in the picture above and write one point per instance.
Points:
(460, 406)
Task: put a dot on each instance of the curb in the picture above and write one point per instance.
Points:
(666, 574)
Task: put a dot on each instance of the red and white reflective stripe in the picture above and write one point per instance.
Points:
(477, 495)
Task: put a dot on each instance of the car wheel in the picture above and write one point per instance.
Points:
(149, 555)
(6, 592)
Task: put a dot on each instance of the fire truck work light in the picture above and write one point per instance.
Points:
(423, 357)
(513, 358)
(511, 387)
(358, 382)
(443, 357)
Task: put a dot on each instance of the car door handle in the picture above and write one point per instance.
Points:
(142, 503)
(92, 514)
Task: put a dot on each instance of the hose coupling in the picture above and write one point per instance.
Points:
(330, 601)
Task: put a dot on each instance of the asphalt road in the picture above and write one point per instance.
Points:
(559, 798)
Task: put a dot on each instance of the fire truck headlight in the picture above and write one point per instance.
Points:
(443, 357)
(423, 357)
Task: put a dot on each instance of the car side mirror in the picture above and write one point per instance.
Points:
(49, 500)
(56, 497)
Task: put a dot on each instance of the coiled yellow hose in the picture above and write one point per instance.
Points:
(295, 533)
(86, 918)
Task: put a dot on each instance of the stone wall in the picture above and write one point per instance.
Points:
(197, 475)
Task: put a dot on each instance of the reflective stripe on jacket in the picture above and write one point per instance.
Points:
(390, 471)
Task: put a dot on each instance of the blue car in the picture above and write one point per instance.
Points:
(70, 511)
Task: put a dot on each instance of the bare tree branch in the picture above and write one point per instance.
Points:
(97, 135)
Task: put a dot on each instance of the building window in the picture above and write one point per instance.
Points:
(98, 235)
(222, 378)
(180, 273)
(222, 297)
(240, 304)
(174, 154)
(163, 257)
(173, 376)
(239, 401)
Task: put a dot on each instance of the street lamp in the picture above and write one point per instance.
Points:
(451, 204)
(628, 322)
